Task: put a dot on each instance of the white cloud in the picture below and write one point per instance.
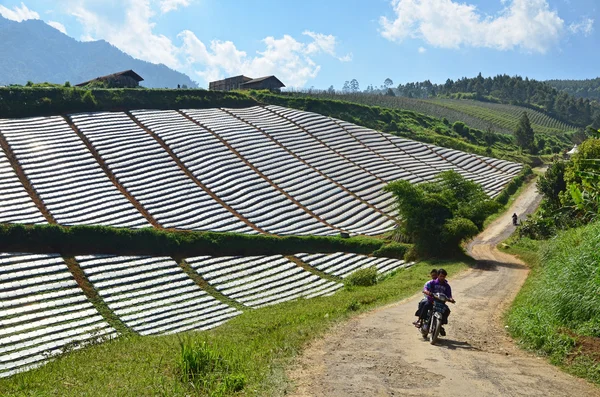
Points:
(422, 50)
(290, 59)
(586, 26)
(527, 24)
(324, 43)
(18, 13)
(172, 5)
(58, 26)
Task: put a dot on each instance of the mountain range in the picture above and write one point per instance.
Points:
(33, 50)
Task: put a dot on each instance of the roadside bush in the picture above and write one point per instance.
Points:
(439, 215)
(362, 277)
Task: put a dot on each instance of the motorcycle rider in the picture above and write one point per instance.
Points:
(420, 313)
(438, 285)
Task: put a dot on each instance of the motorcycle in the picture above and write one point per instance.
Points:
(433, 322)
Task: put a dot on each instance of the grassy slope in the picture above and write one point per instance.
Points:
(505, 116)
(256, 345)
(558, 310)
(402, 123)
(412, 104)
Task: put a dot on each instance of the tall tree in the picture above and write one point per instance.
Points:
(524, 133)
(354, 85)
(346, 86)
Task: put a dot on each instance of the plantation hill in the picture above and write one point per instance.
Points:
(128, 222)
(261, 219)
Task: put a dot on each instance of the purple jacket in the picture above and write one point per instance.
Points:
(434, 286)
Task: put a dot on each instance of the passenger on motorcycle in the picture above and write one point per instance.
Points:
(434, 286)
(419, 313)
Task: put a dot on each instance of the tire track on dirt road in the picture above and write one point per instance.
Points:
(380, 353)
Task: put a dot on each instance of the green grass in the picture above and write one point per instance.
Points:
(561, 299)
(253, 348)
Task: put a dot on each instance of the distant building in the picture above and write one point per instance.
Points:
(572, 151)
(126, 79)
(242, 82)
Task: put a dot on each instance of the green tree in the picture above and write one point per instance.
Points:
(346, 86)
(354, 87)
(524, 134)
(439, 215)
(552, 183)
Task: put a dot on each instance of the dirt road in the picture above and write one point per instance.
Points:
(381, 354)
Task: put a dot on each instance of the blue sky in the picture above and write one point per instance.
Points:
(326, 42)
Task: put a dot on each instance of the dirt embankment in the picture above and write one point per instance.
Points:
(381, 354)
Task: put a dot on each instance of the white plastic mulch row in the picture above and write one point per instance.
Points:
(401, 166)
(43, 312)
(66, 176)
(317, 193)
(472, 167)
(152, 177)
(228, 177)
(342, 264)
(153, 295)
(418, 161)
(261, 280)
(320, 156)
(15, 204)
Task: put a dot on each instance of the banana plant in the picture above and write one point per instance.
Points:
(587, 196)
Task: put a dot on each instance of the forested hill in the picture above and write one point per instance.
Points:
(33, 50)
(511, 90)
(589, 88)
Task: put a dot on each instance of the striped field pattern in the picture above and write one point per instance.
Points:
(42, 312)
(259, 170)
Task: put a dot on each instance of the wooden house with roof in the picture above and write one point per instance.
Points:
(246, 83)
(125, 79)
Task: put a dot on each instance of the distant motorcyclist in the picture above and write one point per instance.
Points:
(420, 312)
(515, 218)
(438, 285)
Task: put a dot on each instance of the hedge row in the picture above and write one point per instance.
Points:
(18, 102)
(514, 185)
(87, 240)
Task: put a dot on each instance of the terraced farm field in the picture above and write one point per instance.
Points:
(260, 170)
(505, 116)
(476, 114)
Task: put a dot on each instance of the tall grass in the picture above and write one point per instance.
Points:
(207, 370)
(561, 299)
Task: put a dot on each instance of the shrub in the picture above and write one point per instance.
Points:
(438, 215)
(392, 250)
(362, 277)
